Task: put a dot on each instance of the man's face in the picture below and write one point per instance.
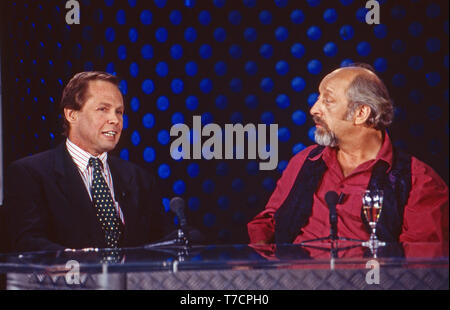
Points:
(97, 127)
(329, 111)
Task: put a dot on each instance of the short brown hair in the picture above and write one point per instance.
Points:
(74, 94)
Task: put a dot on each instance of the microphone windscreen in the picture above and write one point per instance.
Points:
(331, 198)
(176, 205)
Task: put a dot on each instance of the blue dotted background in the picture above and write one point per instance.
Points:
(240, 61)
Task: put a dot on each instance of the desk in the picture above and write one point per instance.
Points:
(233, 267)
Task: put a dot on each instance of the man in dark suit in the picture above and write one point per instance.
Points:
(76, 195)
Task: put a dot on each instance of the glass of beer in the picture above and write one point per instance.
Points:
(372, 202)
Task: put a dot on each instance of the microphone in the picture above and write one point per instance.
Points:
(188, 233)
(184, 235)
(332, 199)
(177, 207)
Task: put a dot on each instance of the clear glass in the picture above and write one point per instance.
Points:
(372, 204)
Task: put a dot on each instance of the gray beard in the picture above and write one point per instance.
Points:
(326, 138)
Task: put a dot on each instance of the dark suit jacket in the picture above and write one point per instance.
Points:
(48, 207)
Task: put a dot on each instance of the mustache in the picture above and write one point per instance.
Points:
(319, 121)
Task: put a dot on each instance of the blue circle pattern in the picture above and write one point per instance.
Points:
(146, 17)
(283, 101)
(380, 31)
(250, 34)
(147, 51)
(179, 187)
(177, 118)
(299, 117)
(330, 49)
(314, 33)
(190, 34)
(265, 17)
(193, 170)
(347, 32)
(314, 66)
(149, 154)
(148, 86)
(163, 137)
(220, 68)
(175, 17)
(221, 102)
(162, 103)
(177, 86)
(134, 69)
(164, 171)
(205, 51)
(330, 16)
(298, 50)
(148, 120)
(282, 67)
(297, 16)
(192, 103)
(191, 68)
(176, 51)
(298, 84)
(277, 50)
(204, 18)
(162, 69)
(380, 64)
(134, 103)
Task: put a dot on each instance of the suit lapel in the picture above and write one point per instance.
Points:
(72, 186)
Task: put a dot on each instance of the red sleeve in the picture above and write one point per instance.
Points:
(426, 213)
(262, 227)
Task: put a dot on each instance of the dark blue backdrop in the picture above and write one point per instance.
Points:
(234, 61)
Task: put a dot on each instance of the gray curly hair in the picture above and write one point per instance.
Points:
(368, 89)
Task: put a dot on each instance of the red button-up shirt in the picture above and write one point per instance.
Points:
(425, 216)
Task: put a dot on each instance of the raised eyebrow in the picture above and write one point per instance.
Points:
(105, 104)
(109, 105)
(329, 92)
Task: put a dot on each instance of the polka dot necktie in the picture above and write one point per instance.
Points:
(104, 205)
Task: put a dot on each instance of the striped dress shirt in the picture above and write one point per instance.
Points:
(81, 160)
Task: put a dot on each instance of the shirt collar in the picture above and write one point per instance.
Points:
(385, 153)
(81, 157)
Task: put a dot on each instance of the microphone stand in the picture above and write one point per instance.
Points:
(180, 240)
(334, 250)
(333, 237)
(332, 199)
(181, 243)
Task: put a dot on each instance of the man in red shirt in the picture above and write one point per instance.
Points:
(351, 116)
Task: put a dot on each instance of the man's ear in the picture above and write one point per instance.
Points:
(70, 115)
(362, 114)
